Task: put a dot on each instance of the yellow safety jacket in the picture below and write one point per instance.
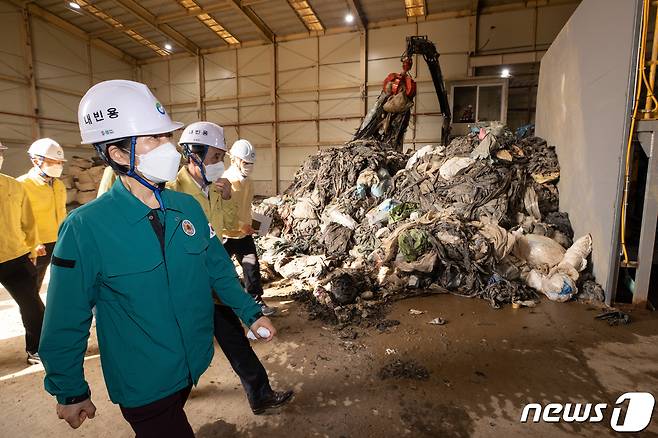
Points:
(18, 228)
(48, 203)
(237, 210)
(211, 204)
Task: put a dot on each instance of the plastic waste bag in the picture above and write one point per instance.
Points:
(557, 287)
(379, 188)
(413, 243)
(538, 251)
(381, 213)
(453, 166)
(341, 218)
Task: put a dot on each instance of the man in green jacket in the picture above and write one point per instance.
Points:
(147, 258)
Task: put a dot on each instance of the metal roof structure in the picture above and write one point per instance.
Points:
(148, 29)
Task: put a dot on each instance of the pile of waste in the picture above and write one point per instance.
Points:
(361, 224)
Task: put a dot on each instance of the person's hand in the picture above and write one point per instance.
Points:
(224, 188)
(263, 321)
(76, 414)
(41, 250)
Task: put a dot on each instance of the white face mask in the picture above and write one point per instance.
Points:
(214, 171)
(247, 169)
(160, 164)
(52, 170)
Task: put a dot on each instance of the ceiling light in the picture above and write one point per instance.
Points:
(74, 5)
(349, 18)
(168, 47)
(505, 73)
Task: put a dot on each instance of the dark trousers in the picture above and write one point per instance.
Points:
(244, 250)
(19, 277)
(162, 418)
(43, 262)
(237, 349)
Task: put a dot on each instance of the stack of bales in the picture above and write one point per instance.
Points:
(84, 177)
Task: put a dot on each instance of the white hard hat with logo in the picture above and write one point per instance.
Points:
(204, 133)
(243, 150)
(117, 109)
(47, 148)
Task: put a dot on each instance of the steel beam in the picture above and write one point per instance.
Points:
(357, 12)
(264, 31)
(148, 18)
(202, 87)
(647, 132)
(275, 124)
(29, 72)
(37, 11)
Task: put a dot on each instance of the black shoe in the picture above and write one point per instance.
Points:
(33, 358)
(264, 308)
(274, 400)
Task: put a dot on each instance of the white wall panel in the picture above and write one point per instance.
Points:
(255, 61)
(11, 43)
(340, 75)
(337, 131)
(156, 76)
(256, 109)
(550, 21)
(297, 106)
(256, 84)
(106, 68)
(297, 133)
(449, 36)
(184, 80)
(339, 48)
(259, 135)
(223, 113)
(512, 29)
(59, 58)
(340, 104)
(389, 42)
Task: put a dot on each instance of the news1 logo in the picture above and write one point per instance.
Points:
(638, 412)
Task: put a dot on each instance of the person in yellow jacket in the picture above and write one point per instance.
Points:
(204, 149)
(238, 230)
(18, 253)
(48, 197)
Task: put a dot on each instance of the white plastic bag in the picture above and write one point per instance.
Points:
(342, 219)
(557, 287)
(538, 250)
(453, 166)
(576, 256)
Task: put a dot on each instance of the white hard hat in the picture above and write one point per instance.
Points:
(47, 148)
(204, 133)
(243, 150)
(117, 109)
(3, 147)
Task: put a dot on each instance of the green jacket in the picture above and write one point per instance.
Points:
(154, 315)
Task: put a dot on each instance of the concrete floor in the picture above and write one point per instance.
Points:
(484, 365)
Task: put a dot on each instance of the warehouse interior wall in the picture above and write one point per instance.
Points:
(290, 99)
(45, 103)
(583, 106)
